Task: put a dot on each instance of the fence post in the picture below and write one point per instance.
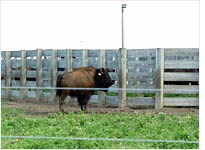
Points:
(54, 71)
(39, 74)
(69, 65)
(85, 57)
(159, 78)
(123, 78)
(69, 58)
(23, 73)
(102, 101)
(8, 74)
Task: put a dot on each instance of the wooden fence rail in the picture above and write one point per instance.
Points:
(139, 72)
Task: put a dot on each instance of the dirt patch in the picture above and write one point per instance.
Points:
(46, 107)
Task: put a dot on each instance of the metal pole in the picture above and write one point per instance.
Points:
(122, 29)
(122, 74)
(123, 6)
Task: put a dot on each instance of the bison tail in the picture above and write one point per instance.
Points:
(58, 84)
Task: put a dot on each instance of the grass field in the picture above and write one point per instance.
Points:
(124, 125)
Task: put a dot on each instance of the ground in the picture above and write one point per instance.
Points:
(45, 107)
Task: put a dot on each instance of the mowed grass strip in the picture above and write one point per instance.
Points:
(17, 122)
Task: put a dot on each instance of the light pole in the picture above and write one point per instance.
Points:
(123, 67)
(123, 6)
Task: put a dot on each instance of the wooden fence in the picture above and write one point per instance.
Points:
(139, 73)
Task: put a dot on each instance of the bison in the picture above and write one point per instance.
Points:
(85, 77)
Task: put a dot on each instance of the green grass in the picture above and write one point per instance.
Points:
(16, 122)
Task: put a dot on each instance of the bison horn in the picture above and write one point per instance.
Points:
(111, 70)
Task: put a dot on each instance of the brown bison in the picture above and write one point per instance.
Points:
(85, 77)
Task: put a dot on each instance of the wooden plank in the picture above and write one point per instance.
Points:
(15, 64)
(3, 64)
(46, 75)
(141, 63)
(62, 63)
(46, 52)
(16, 94)
(46, 63)
(47, 96)
(46, 83)
(61, 53)
(143, 76)
(139, 78)
(181, 101)
(3, 93)
(15, 53)
(3, 73)
(140, 101)
(15, 83)
(182, 51)
(31, 94)
(15, 73)
(31, 84)
(110, 54)
(112, 101)
(141, 52)
(142, 84)
(3, 82)
(147, 74)
(180, 76)
(31, 63)
(137, 85)
(94, 99)
(77, 64)
(93, 53)
(93, 63)
(77, 53)
(141, 89)
(3, 55)
(94, 59)
(123, 78)
(31, 73)
(159, 78)
(181, 64)
(174, 89)
(31, 53)
(23, 73)
(102, 99)
(142, 70)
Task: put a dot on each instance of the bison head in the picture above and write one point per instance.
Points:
(102, 79)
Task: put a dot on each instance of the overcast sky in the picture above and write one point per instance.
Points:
(97, 25)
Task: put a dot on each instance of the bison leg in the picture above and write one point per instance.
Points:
(81, 107)
(61, 102)
(83, 100)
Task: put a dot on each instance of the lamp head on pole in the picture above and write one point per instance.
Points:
(124, 6)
